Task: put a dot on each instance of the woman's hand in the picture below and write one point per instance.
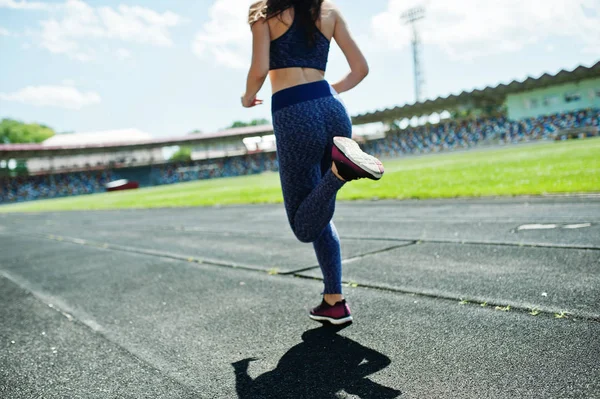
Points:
(249, 102)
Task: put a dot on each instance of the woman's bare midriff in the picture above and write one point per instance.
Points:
(289, 77)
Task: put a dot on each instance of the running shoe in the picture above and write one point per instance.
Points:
(352, 163)
(336, 314)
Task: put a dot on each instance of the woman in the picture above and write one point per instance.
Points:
(291, 40)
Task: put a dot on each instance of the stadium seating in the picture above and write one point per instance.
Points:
(452, 135)
(210, 169)
(447, 135)
(26, 188)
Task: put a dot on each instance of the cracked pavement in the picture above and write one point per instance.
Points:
(451, 299)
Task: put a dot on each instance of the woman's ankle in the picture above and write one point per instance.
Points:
(332, 299)
(335, 171)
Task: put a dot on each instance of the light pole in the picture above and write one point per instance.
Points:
(411, 17)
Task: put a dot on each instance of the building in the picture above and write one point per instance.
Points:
(565, 91)
(124, 156)
(554, 98)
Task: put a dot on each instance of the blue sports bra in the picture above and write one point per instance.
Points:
(292, 50)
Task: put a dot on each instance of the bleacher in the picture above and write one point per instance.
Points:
(451, 135)
(444, 136)
(210, 169)
(27, 188)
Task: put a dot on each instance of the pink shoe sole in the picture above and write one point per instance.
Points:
(348, 152)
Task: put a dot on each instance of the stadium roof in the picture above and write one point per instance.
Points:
(25, 151)
(491, 95)
(107, 136)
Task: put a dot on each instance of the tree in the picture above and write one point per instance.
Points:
(184, 154)
(254, 122)
(15, 132)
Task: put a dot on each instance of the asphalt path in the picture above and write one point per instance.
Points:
(465, 298)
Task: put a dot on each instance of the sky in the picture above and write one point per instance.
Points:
(171, 67)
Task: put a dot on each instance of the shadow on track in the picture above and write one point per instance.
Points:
(319, 367)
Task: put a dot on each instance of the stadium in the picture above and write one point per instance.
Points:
(136, 263)
(550, 107)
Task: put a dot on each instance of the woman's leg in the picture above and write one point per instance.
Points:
(314, 213)
(302, 143)
(304, 135)
(309, 187)
(327, 246)
(329, 255)
(305, 189)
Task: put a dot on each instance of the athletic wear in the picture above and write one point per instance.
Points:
(305, 119)
(293, 50)
(352, 163)
(336, 314)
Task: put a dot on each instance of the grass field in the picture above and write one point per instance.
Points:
(566, 167)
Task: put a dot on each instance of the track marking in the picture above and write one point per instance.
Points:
(398, 238)
(53, 302)
(355, 258)
(80, 317)
(577, 226)
(537, 227)
(550, 226)
(473, 301)
(584, 315)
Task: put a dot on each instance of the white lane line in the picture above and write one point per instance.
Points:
(577, 226)
(537, 227)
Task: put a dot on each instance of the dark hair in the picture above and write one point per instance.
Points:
(307, 12)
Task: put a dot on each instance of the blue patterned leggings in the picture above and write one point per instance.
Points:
(305, 120)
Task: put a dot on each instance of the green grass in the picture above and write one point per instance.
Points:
(566, 167)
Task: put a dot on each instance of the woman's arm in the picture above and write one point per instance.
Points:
(359, 68)
(261, 42)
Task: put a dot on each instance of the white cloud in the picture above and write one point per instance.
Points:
(468, 29)
(138, 24)
(80, 21)
(4, 32)
(84, 56)
(53, 96)
(226, 37)
(123, 54)
(23, 5)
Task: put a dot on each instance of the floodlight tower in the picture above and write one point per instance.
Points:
(411, 17)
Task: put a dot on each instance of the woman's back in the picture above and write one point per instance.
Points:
(291, 45)
(283, 78)
(278, 27)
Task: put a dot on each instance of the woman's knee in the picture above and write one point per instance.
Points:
(306, 238)
(304, 235)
